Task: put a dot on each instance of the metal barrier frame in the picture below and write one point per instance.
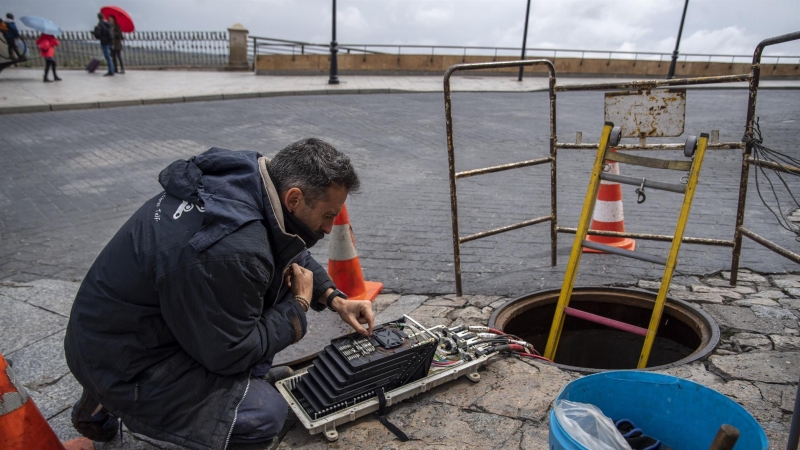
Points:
(457, 240)
(745, 145)
(747, 160)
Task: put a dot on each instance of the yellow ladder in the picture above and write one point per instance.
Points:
(695, 149)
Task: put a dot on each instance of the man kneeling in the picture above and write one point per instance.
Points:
(175, 326)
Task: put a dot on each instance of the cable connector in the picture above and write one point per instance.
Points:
(487, 335)
(478, 329)
(522, 343)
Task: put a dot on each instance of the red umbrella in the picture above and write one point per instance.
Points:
(121, 16)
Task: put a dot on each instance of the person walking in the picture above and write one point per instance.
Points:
(47, 49)
(102, 31)
(116, 49)
(11, 33)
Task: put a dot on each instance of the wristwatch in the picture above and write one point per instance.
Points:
(333, 295)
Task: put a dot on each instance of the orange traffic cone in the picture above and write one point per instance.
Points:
(22, 426)
(343, 264)
(608, 215)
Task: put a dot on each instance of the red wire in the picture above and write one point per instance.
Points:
(516, 348)
(530, 355)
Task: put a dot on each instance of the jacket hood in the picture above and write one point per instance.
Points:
(225, 183)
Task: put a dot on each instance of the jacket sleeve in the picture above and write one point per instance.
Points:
(321, 279)
(215, 311)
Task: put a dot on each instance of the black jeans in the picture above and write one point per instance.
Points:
(50, 63)
(12, 47)
(117, 56)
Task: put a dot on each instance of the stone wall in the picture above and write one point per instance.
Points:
(437, 64)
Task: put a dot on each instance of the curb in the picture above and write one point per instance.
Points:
(196, 98)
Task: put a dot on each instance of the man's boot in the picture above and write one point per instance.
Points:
(92, 420)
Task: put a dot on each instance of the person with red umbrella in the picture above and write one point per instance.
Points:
(120, 22)
(116, 47)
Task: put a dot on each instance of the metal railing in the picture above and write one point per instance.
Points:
(186, 49)
(271, 46)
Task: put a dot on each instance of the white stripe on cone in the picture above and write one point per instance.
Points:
(341, 247)
(608, 211)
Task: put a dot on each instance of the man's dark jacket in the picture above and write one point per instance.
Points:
(102, 31)
(12, 33)
(187, 297)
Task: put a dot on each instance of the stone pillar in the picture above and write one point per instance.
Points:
(237, 58)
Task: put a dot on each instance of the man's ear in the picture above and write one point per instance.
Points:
(292, 198)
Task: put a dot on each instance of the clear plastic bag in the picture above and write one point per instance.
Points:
(589, 426)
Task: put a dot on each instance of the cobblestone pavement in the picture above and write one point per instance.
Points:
(70, 179)
(756, 364)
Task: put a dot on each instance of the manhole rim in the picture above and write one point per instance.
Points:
(699, 354)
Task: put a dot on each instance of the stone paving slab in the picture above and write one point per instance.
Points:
(41, 364)
(22, 324)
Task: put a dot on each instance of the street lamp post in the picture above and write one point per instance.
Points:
(671, 73)
(334, 77)
(525, 37)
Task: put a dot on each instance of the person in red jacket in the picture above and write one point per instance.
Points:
(47, 48)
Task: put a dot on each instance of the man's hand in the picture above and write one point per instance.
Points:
(356, 312)
(301, 281)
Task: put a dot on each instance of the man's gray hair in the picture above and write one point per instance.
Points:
(312, 165)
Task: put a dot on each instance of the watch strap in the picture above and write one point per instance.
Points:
(335, 293)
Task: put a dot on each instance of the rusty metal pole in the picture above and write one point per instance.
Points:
(755, 77)
(334, 77)
(525, 37)
(671, 73)
(451, 164)
(553, 171)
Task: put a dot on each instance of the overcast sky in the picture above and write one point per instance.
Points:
(712, 26)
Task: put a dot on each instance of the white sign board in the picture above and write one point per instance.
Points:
(649, 113)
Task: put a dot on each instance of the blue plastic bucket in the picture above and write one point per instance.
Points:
(681, 413)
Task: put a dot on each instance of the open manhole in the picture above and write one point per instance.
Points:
(685, 333)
